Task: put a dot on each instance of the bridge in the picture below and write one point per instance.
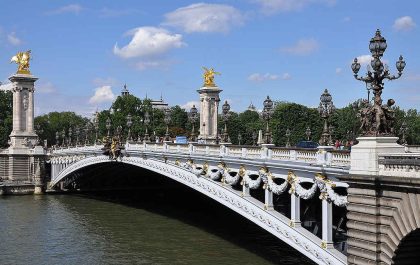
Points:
(235, 176)
(335, 207)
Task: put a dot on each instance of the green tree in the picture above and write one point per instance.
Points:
(6, 117)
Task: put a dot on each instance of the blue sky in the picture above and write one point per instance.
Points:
(84, 52)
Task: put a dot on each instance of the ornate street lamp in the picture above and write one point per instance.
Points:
(377, 119)
(308, 133)
(225, 116)
(254, 138)
(167, 120)
(266, 114)
(57, 139)
(96, 125)
(77, 132)
(129, 123)
(331, 130)
(288, 137)
(86, 129)
(108, 126)
(325, 109)
(63, 136)
(403, 131)
(239, 138)
(146, 124)
(193, 118)
(70, 134)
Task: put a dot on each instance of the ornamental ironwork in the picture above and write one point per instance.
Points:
(377, 119)
(193, 118)
(326, 108)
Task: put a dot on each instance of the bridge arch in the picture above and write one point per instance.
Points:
(250, 208)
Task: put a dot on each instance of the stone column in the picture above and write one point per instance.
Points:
(209, 98)
(327, 240)
(268, 199)
(23, 135)
(295, 210)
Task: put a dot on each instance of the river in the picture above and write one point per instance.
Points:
(136, 227)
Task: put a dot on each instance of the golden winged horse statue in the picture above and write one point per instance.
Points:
(208, 76)
(22, 60)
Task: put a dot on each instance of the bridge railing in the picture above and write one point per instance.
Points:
(336, 158)
(400, 165)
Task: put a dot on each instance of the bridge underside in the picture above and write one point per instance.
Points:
(100, 173)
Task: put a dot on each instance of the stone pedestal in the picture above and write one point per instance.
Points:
(22, 136)
(209, 108)
(323, 155)
(364, 155)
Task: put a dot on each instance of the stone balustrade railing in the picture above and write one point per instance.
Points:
(400, 165)
(335, 158)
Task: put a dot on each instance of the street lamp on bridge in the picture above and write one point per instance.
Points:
(225, 116)
(167, 119)
(129, 123)
(108, 126)
(288, 137)
(377, 120)
(325, 109)
(266, 114)
(146, 122)
(308, 133)
(193, 118)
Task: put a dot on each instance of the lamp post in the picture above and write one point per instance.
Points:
(225, 116)
(403, 131)
(129, 123)
(70, 135)
(77, 132)
(239, 138)
(96, 126)
(266, 114)
(288, 137)
(193, 118)
(376, 119)
(108, 126)
(325, 109)
(146, 124)
(63, 136)
(86, 129)
(254, 138)
(308, 133)
(167, 120)
(331, 130)
(57, 139)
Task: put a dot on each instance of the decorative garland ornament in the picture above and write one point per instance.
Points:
(326, 186)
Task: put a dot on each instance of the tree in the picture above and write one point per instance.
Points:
(6, 117)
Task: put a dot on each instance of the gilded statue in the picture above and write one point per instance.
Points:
(209, 77)
(22, 60)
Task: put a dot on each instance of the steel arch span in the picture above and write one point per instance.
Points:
(250, 208)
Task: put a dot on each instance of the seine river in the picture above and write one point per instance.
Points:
(137, 227)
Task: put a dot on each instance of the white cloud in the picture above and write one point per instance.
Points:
(269, 7)
(13, 39)
(204, 17)
(149, 41)
(72, 8)
(364, 59)
(46, 88)
(302, 47)
(257, 77)
(6, 86)
(286, 76)
(187, 106)
(102, 94)
(405, 23)
(338, 70)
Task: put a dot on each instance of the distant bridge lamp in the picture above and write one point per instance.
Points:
(266, 115)
(225, 115)
(326, 108)
(146, 122)
(193, 118)
(129, 124)
(167, 119)
(108, 126)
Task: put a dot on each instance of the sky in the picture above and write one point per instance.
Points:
(84, 52)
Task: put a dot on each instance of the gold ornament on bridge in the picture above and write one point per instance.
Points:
(208, 76)
(22, 60)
